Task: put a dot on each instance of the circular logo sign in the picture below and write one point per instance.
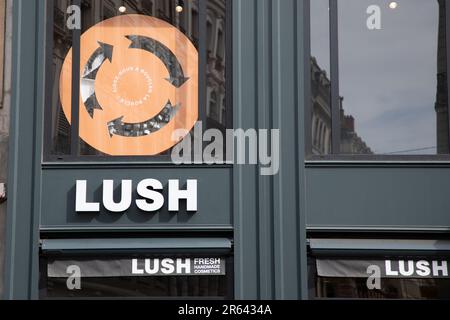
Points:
(138, 84)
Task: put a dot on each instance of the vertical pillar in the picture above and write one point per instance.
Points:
(20, 274)
(269, 93)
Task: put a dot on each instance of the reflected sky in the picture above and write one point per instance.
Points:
(388, 77)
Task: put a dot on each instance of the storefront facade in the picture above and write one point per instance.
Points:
(103, 201)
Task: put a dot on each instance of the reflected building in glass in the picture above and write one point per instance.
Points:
(351, 142)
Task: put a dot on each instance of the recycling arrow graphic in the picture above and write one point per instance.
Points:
(138, 85)
(169, 59)
(118, 127)
(103, 53)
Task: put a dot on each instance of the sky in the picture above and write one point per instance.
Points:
(387, 76)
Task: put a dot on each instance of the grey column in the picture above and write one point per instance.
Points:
(21, 266)
(268, 77)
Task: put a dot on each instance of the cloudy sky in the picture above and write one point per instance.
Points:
(387, 76)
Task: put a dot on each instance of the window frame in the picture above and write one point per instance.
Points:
(74, 156)
(335, 157)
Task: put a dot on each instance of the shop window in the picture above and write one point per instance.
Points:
(175, 276)
(378, 79)
(379, 277)
(115, 92)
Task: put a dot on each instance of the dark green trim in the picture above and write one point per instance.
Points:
(49, 245)
(21, 232)
(377, 164)
(132, 229)
(379, 244)
(380, 229)
(128, 165)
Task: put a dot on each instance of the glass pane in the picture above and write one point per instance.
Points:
(139, 75)
(62, 42)
(216, 32)
(392, 77)
(176, 276)
(356, 288)
(149, 86)
(413, 277)
(177, 287)
(320, 78)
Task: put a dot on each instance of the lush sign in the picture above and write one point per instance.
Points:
(150, 197)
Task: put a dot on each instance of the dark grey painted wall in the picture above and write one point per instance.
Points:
(406, 197)
(21, 269)
(268, 93)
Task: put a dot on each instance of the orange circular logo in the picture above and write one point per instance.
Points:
(138, 84)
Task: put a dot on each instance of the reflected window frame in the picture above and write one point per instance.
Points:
(335, 104)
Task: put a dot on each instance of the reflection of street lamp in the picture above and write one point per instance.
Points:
(122, 8)
(180, 6)
(2, 192)
(393, 5)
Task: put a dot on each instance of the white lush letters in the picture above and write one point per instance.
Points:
(81, 204)
(389, 271)
(440, 268)
(150, 196)
(175, 195)
(423, 268)
(164, 266)
(108, 196)
(411, 268)
(144, 191)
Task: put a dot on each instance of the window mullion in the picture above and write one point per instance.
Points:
(334, 78)
(202, 61)
(447, 40)
(48, 140)
(307, 78)
(228, 64)
(75, 114)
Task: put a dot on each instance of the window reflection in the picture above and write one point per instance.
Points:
(175, 286)
(215, 21)
(356, 288)
(354, 280)
(320, 75)
(392, 77)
